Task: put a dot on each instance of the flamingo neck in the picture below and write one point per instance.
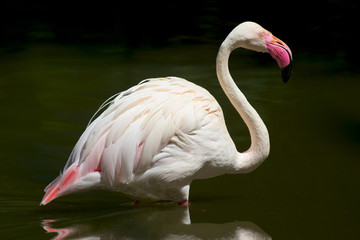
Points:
(260, 143)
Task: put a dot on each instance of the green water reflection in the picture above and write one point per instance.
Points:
(308, 188)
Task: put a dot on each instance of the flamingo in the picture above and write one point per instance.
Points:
(155, 138)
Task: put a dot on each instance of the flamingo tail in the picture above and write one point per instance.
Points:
(61, 184)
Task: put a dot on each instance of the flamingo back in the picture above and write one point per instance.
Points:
(137, 125)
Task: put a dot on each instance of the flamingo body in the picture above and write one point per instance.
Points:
(153, 139)
(149, 143)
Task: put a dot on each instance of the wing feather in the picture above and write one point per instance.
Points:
(137, 124)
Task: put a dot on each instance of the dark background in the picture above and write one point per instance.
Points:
(59, 60)
(317, 27)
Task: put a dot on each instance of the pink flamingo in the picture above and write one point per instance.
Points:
(155, 138)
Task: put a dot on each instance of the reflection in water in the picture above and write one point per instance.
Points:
(62, 233)
(145, 223)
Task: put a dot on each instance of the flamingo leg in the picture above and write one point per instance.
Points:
(184, 203)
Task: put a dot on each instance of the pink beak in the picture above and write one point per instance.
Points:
(282, 54)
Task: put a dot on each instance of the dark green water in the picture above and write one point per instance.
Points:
(308, 188)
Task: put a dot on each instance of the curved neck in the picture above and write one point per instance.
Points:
(260, 143)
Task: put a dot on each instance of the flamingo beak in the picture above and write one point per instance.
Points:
(282, 54)
(286, 72)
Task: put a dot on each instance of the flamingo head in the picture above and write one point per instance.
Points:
(252, 36)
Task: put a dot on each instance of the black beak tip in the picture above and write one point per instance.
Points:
(286, 72)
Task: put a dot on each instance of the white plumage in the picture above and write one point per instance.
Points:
(153, 139)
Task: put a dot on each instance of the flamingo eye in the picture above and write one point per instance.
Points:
(262, 34)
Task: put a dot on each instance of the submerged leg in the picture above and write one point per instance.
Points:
(185, 192)
(184, 203)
